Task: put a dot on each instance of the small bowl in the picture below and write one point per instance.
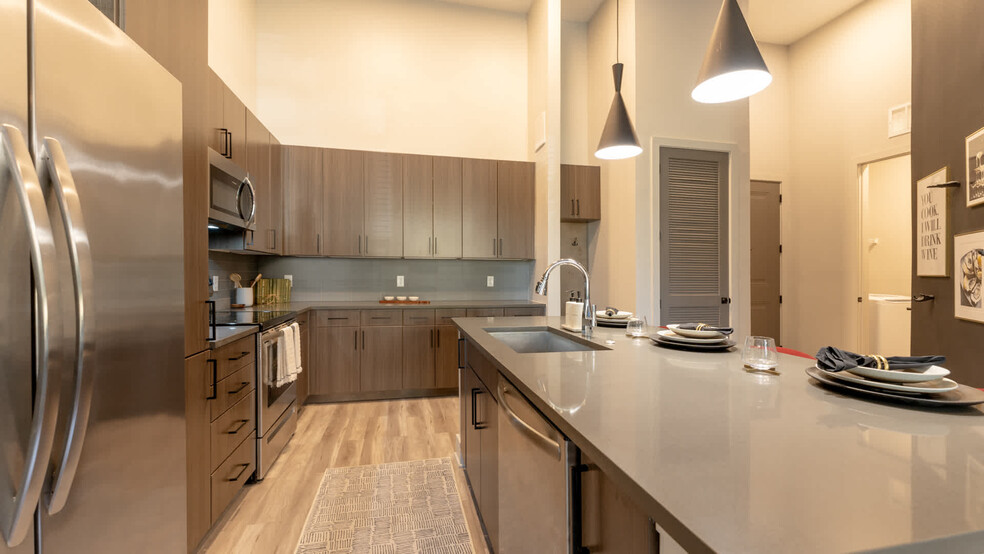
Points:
(414, 298)
(401, 298)
(390, 298)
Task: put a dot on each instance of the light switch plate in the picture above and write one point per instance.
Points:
(290, 278)
(399, 280)
(215, 283)
(490, 281)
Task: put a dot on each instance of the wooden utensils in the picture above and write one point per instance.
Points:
(253, 284)
(237, 279)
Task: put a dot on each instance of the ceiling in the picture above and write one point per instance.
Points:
(786, 21)
(572, 10)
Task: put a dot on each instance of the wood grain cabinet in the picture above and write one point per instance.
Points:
(344, 202)
(447, 207)
(335, 361)
(198, 388)
(227, 121)
(479, 227)
(381, 359)
(383, 205)
(580, 193)
(515, 185)
(302, 196)
(610, 521)
(258, 166)
(431, 207)
(419, 353)
(276, 198)
(480, 432)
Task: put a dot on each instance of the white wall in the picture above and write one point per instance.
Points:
(769, 119)
(840, 80)
(576, 144)
(415, 76)
(232, 46)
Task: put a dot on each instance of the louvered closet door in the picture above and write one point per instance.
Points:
(693, 236)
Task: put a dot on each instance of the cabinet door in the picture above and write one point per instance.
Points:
(235, 120)
(515, 210)
(382, 358)
(384, 205)
(470, 388)
(479, 235)
(568, 192)
(447, 207)
(489, 504)
(418, 206)
(258, 167)
(302, 201)
(446, 363)
(216, 114)
(419, 344)
(198, 387)
(343, 202)
(275, 236)
(588, 203)
(610, 521)
(336, 366)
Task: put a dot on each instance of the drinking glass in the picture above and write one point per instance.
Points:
(636, 327)
(760, 353)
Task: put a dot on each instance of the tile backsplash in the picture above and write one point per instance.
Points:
(223, 264)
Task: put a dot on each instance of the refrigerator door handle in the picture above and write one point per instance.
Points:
(80, 256)
(17, 511)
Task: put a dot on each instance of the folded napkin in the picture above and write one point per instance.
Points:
(693, 327)
(613, 313)
(830, 358)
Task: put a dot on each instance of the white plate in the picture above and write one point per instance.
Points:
(620, 315)
(931, 373)
(943, 385)
(695, 334)
(674, 337)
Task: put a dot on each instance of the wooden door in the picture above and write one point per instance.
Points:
(258, 167)
(276, 232)
(419, 344)
(447, 207)
(234, 116)
(216, 114)
(446, 357)
(418, 206)
(471, 437)
(764, 261)
(587, 203)
(479, 234)
(382, 358)
(344, 202)
(198, 387)
(302, 201)
(384, 205)
(337, 361)
(489, 434)
(568, 192)
(515, 210)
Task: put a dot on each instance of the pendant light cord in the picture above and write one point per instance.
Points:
(616, 31)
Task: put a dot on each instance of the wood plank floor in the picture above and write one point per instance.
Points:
(267, 517)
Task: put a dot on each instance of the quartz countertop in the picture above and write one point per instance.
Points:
(301, 306)
(225, 334)
(730, 461)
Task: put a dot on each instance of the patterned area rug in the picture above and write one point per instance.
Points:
(388, 508)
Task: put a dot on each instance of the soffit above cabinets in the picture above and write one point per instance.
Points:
(787, 21)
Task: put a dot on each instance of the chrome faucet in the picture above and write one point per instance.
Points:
(589, 310)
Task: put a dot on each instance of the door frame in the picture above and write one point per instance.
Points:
(781, 280)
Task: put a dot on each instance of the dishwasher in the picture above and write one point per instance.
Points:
(537, 493)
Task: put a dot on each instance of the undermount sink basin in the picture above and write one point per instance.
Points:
(529, 340)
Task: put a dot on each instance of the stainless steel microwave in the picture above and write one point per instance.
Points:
(231, 196)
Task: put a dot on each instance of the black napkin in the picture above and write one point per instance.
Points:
(830, 358)
(611, 312)
(693, 327)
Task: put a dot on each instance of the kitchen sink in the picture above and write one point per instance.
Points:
(529, 340)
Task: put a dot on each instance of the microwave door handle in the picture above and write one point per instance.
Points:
(17, 508)
(80, 256)
(248, 218)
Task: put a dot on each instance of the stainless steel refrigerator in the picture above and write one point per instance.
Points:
(92, 427)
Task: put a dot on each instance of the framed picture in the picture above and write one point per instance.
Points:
(968, 255)
(932, 225)
(975, 168)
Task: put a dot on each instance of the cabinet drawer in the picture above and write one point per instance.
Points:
(445, 316)
(337, 318)
(232, 389)
(382, 317)
(523, 311)
(231, 357)
(229, 477)
(418, 317)
(485, 312)
(232, 427)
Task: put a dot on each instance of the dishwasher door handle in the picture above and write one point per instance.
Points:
(547, 441)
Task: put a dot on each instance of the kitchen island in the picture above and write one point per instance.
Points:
(730, 461)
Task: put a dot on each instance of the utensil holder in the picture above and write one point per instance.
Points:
(244, 296)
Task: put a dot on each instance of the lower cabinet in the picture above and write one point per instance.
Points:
(303, 380)
(610, 521)
(479, 431)
(198, 388)
(382, 359)
(419, 345)
(446, 362)
(335, 354)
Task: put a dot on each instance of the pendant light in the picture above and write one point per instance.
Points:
(618, 139)
(733, 66)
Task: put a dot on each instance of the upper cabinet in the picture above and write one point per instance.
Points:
(258, 165)
(384, 205)
(479, 228)
(580, 192)
(344, 202)
(431, 207)
(516, 181)
(447, 207)
(302, 193)
(276, 195)
(227, 121)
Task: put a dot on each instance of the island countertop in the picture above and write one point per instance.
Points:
(730, 461)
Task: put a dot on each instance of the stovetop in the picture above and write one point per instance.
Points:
(264, 319)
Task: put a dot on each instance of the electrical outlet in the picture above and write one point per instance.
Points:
(399, 280)
(215, 283)
(490, 281)
(290, 278)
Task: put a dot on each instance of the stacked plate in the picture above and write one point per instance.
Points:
(924, 385)
(698, 341)
(620, 319)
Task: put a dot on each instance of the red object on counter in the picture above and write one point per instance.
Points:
(792, 352)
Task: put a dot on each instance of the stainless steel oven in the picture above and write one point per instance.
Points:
(231, 196)
(276, 410)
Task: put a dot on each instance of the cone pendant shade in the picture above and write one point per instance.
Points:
(733, 67)
(618, 139)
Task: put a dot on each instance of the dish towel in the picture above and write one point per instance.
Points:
(288, 356)
(831, 358)
(694, 327)
(296, 366)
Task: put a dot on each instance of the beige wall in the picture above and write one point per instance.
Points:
(769, 117)
(841, 81)
(232, 46)
(417, 76)
(887, 205)
(576, 145)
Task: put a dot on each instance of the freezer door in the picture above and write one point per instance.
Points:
(109, 138)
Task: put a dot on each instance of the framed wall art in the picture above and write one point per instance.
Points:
(968, 255)
(975, 168)
(932, 225)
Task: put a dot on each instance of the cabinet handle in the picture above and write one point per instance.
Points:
(225, 141)
(211, 320)
(359, 246)
(578, 206)
(272, 236)
(241, 471)
(429, 240)
(242, 423)
(334, 318)
(363, 340)
(229, 140)
(215, 378)
(319, 243)
(242, 386)
(367, 245)
(432, 338)
(239, 357)
(461, 364)
(435, 246)
(438, 335)
(474, 406)
(572, 206)
(356, 336)
(500, 247)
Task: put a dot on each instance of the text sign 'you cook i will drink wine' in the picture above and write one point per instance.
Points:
(932, 224)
